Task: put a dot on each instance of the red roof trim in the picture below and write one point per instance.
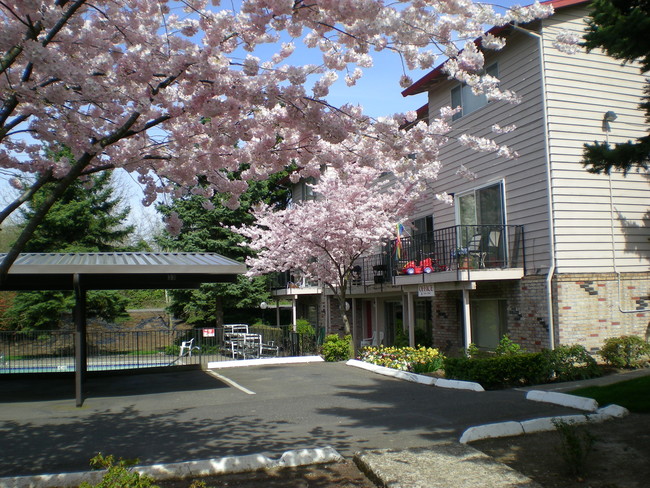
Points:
(422, 84)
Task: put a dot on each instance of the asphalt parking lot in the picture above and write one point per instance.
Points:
(190, 415)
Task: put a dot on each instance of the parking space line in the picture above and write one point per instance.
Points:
(230, 382)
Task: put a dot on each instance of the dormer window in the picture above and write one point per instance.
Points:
(463, 97)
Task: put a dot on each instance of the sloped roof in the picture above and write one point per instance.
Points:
(119, 270)
(424, 83)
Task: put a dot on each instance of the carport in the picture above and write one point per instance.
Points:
(80, 272)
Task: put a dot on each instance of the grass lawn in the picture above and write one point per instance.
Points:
(631, 394)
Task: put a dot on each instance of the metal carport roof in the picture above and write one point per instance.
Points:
(119, 270)
(80, 272)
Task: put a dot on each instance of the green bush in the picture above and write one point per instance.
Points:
(118, 474)
(507, 348)
(303, 327)
(514, 368)
(337, 348)
(415, 360)
(624, 351)
(499, 371)
(569, 363)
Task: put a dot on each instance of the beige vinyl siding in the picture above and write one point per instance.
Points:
(580, 89)
(525, 177)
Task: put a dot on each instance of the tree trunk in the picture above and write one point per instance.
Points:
(218, 311)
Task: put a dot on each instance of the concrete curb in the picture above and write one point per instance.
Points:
(564, 399)
(209, 467)
(544, 424)
(264, 361)
(415, 378)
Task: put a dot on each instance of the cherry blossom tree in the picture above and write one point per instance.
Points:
(181, 90)
(354, 210)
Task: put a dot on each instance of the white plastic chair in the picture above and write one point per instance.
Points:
(372, 341)
(189, 347)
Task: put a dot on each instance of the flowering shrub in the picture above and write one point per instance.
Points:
(415, 360)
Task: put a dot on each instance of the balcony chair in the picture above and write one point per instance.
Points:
(475, 248)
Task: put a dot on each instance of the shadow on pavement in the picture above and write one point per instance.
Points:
(60, 386)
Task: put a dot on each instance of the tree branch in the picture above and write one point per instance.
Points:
(40, 213)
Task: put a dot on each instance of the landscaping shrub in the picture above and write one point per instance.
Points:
(510, 367)
(337, 348)
(415, 360)
(499, 371)
(576, 443)
(569, 363)
(118, 474)
(303, 327)
(506, 347)
(624, 351)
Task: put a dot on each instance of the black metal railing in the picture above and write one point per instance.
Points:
(459, 247)
(289, 280)
(53, 351)
(443, 250)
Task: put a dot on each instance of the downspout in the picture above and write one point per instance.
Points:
(549, 185)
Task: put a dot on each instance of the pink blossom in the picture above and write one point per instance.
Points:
(567, 42)
(174, 224)
(161, 89)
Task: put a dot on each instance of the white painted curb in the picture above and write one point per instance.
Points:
(505, 429)
(264, 361)
(415, 378)
(209, 467)
(395, 373)
(458, 384)
(564, 399)
(488, 431)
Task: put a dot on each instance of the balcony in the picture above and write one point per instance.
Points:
(293, 283)
(459, 253)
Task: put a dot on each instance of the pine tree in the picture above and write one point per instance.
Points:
(206, 225)
(88, 218)
(620, 28)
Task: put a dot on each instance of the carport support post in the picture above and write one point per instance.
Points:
(80, 357)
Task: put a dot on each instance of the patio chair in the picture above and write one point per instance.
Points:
(475, 248)
(189, 347)
(372, 341)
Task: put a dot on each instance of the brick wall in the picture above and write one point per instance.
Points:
(589, 307)
(447, 321)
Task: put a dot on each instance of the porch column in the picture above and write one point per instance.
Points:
(277, 313)
(294, 311)
(411, 317)
(467, 318)
(353, 327)
(80, 355)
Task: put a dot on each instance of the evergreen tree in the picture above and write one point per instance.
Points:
(88, 218)
(206, 228)
(621, 28)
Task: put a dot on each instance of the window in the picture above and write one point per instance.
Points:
(463, 96)
(482, 206)
(423, 225)
(489, 322)
(481, 215)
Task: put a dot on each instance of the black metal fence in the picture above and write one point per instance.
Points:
(53, 351)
